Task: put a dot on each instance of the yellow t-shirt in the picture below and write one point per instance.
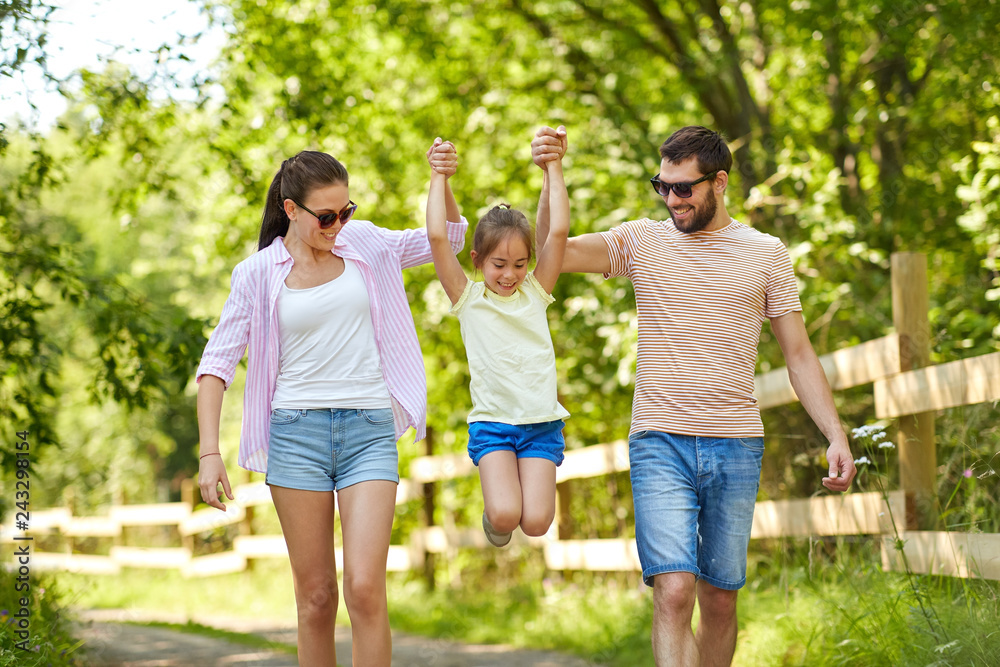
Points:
(511, 360)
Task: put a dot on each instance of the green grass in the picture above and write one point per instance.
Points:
(246, 639)
(50, 641)
(833, 610)
(264, 592)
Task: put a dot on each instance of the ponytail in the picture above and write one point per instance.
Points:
(274, 222)
(295, 180)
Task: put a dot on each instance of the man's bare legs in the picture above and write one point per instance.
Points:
(716, 634)
(674, 643)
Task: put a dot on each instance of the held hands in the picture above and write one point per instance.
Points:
(548, 145)
(443, 157)
(842, 469)
(212, 472)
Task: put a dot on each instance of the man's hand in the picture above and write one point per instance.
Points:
(443, 157)
(842, 468)
(548, 145)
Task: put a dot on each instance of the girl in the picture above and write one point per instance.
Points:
(335, 376)
(515, 427)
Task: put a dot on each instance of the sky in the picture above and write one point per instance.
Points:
(84, 34)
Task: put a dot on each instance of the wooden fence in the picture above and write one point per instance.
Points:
(905, 388)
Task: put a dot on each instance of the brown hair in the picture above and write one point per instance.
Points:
(709, 147)
(295, 180)
(500, 222)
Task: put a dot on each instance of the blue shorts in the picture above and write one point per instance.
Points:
(694, 499)
(327, 449)
(527, 441)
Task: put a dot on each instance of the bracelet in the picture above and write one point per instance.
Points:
(209, 454)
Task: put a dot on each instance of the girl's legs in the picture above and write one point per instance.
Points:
(307, 523)
(518, 492)
(499, 476)
(538, 493)
(366, 511)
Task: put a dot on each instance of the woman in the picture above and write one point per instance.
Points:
(335, 376)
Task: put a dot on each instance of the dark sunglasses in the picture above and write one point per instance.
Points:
(682, 190)
(327, 219)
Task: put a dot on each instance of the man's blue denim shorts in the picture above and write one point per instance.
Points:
(326, 449)
(694, 499)
(527, 441)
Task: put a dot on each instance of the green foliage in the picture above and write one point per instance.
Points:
(601, 621)
(90, 304)
(23, 38)
(968, 464)
(852, 117)
(821, 603)
(263, 592)
(981, 172)
(859, 129)
(50, 641)
(830, 603)
(847, 122)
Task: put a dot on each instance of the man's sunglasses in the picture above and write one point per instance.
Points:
(682, 190)
(327, 219)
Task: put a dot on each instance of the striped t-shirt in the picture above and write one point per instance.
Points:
(701, 300)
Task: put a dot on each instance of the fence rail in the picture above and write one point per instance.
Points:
(901, 390)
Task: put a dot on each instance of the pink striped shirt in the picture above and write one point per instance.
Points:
(249, 318)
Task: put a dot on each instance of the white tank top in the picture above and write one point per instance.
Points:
(328, 354)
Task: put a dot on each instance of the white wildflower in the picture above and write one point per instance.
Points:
(886, 445)
(860, 432)
(863, 459)
(875, 432)
(945, 648)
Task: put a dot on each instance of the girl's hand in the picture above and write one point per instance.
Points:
(548, 145)
(211, 473)
(443, 157)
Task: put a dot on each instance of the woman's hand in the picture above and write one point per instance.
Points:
(443, 157)
(212, 472)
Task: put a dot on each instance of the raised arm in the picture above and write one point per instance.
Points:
(587, 253)
(552, 225)
(441, 205)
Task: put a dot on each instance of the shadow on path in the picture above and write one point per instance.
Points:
(112, 641)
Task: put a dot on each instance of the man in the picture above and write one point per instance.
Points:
(704, 284)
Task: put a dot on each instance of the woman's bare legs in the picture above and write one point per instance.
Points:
(366, 511)
(307, 523)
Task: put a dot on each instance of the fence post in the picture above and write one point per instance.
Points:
(246, 525)
(429, 563)
(189, 494)
(564, 526)
(917, 453)
(69, 500)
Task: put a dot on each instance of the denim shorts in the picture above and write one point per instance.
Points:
(327, 449)
(694, 499)
(527, 441)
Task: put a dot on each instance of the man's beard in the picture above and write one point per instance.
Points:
(702, 217)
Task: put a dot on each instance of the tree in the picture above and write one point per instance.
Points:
(63, 303)
(845, 117)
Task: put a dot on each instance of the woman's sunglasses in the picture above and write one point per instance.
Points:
(327, 219)
(682, 190)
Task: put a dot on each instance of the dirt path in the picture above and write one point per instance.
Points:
(111, 641)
